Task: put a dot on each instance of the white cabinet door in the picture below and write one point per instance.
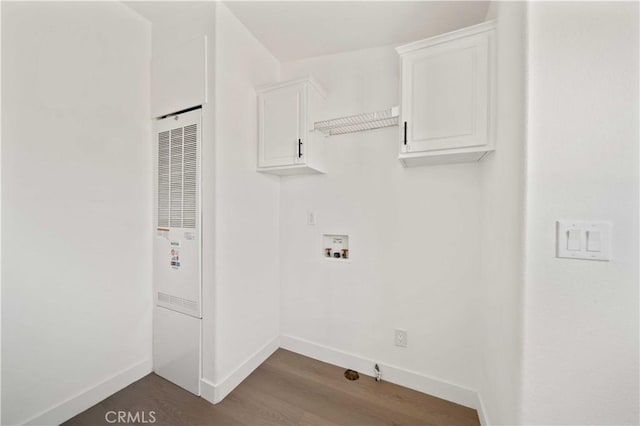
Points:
(281, 126)
(445, 95)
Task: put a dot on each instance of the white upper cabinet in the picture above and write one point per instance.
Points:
(282, 126)
(447, 106)
(286, 143)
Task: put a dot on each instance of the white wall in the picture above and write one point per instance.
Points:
(414, 239)
(0, 223)
(581, 317)
(502, 226)
(247, 260)
(76, 198)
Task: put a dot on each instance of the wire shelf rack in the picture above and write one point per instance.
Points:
(359, 123)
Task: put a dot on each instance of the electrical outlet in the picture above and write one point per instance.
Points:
(401, 338)
(311, 218)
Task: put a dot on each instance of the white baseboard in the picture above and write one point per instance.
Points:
(400, 376)
(216, 392)
(482, 412)
(208, 390)
(91, 396)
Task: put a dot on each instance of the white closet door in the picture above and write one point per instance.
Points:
(281, 127)
(445, 95)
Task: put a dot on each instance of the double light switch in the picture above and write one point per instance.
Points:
(584, 240)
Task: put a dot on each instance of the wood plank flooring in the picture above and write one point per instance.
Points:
(287, 389)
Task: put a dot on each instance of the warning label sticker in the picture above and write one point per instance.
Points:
(175, 255)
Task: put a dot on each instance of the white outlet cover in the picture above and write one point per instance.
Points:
(573, 240)
(311, 218)
(401, 338)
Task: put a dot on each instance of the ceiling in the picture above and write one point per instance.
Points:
(159, 12)
(294, 30)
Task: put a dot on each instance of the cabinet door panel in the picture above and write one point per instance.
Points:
(445, 95)
(280, 127)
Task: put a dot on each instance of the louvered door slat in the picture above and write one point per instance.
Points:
(175, 219)
(177, 177)
(189, 195)
(163, 179)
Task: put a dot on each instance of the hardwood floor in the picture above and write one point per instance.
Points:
(287, 389)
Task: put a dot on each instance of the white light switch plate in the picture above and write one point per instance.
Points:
(580, 239)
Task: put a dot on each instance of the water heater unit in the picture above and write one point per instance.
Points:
(177, 259)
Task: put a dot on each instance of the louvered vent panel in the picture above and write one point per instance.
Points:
(177, 177)
(163, 179)
(177, 301)
(189, 196)
(175, 219)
